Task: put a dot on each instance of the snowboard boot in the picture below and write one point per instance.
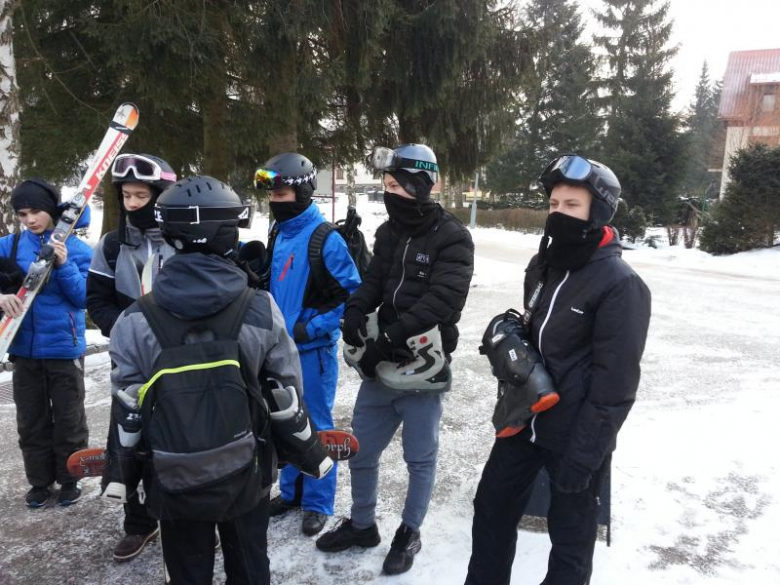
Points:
(313, 522)
(123, 467)
(426, 371)
(525, 387)
(37, 497)
(295, 437)
(352, 354)
(70, 493)
(406, 544)
(347, 536)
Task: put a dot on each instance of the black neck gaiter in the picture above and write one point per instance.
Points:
(284, 210)
(143, 218)
(573, 242)
(411, 214)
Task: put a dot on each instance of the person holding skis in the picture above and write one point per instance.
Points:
(115, 281)
(419, 278)
(207, 387)
(312, 305)
(586, 314)
(48, 350)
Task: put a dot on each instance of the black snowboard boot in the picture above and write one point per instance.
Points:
(405, 545)
(346, 536)
(280, 506)
(313, 522)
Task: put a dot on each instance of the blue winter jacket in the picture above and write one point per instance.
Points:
(290, 274)
(54, 325)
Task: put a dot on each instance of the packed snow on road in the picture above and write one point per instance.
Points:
(695, 484)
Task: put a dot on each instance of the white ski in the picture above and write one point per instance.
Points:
(124, 122)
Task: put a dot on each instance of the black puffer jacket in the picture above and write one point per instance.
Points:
(590, 325)
(419, 280)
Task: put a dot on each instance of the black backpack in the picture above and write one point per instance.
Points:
(323, 291)
(205, 423)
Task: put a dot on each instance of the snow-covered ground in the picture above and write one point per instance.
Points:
(695, 477)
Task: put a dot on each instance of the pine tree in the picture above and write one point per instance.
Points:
(702, 130)
(749, 215)
(556, 108)
(642, 144)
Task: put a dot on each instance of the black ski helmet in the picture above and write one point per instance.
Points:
(288, 169)
(594, 176)
(140, 168)
(201, 214)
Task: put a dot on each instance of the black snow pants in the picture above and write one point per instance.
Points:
(188, 549)
(50, 416)
(502, 495)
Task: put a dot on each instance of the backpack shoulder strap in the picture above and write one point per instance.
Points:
(111, 247)
(166, 327)
(233, 314)
(170, 330)
(15, 245)
(316, 244)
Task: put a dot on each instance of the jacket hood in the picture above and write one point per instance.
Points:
(194, 286)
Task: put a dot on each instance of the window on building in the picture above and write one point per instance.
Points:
(339, 174)
(769, 99)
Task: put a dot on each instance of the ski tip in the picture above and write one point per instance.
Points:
(127, 114)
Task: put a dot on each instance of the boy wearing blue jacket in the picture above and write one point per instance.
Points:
(48, 350)
(312, 312)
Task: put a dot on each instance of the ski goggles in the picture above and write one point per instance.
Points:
(195, 214)
(570, 167)
(268, 179)
(144, 168)
(387, 160)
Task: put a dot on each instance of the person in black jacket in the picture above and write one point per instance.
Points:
(419, 278)
(587, 313)
(115, 282)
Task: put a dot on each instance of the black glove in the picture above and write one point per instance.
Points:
(376, 351)
(570, 477)
(353, 327)
(299, 333)
(11, 276)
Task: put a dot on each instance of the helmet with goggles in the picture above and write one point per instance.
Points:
(201, 214)
(594, 176)
(288, 169)
(142, 168)
(412, 158)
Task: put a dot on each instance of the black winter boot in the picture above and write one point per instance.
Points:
(405, 545)
(346, 536)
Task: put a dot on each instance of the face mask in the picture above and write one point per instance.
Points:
(409, 213)
(143, 218)
(573, 242)
(284, 210)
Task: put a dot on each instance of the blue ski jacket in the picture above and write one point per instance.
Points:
(290, 275)
(54, 326)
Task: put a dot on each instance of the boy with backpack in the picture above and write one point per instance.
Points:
(207, 387)
(115, 282)
(311, 299)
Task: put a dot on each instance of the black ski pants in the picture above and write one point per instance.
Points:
(188, 549)
(50, 416)
(502, 495)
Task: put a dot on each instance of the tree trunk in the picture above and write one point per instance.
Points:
(351, 185)
(110, 205)
(10, 147)
(459, 195)
(216, 153)
(282, 100)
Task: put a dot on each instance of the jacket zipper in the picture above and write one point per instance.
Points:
(289, 264)
(541, 353)
(403, 273)
(73, 328)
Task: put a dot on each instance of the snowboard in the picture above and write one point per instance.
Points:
(90, 462)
